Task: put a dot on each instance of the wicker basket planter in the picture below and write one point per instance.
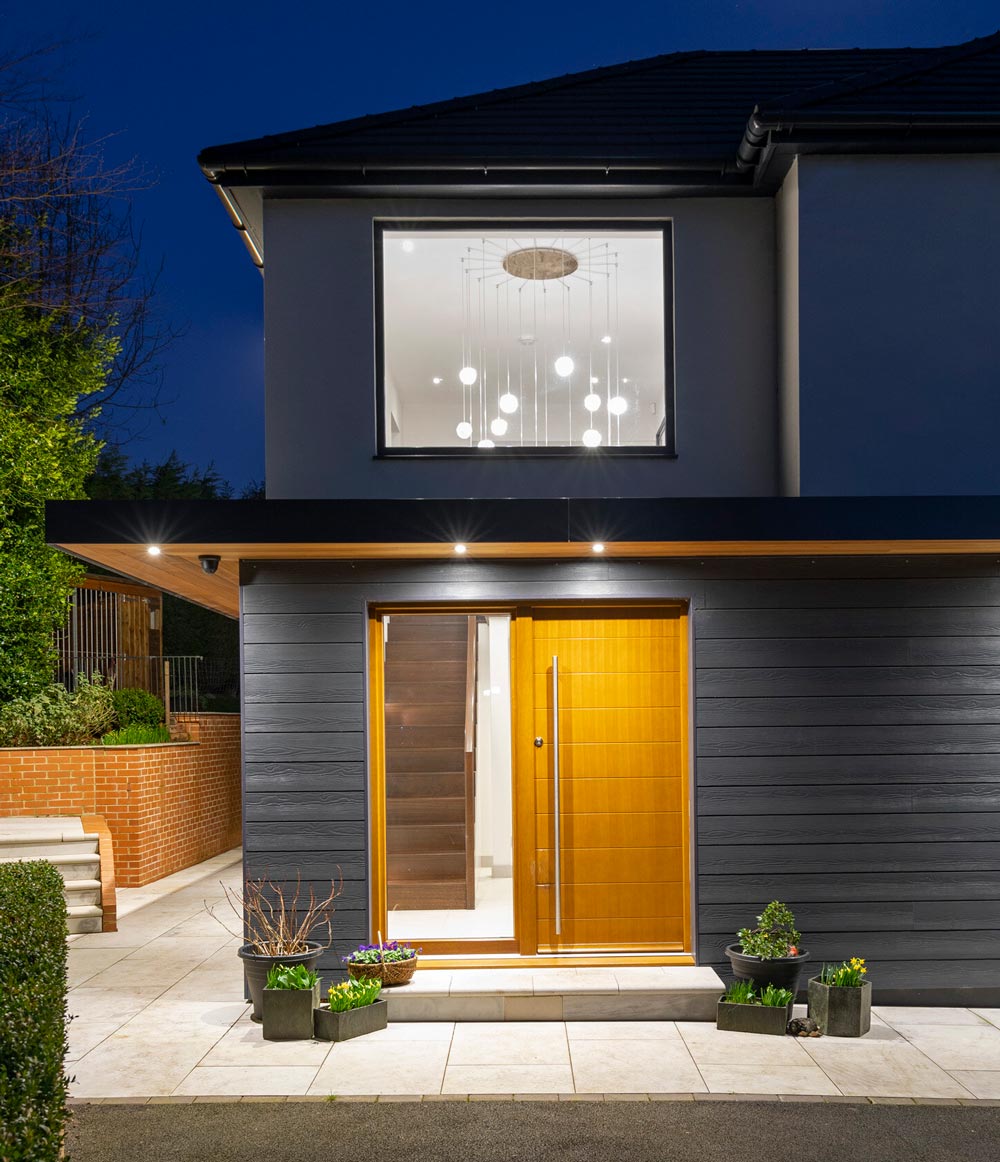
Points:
(351, 1023)
(390, 972)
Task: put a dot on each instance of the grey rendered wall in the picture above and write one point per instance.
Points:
(847, 742)
(899, 297)
(320, 361)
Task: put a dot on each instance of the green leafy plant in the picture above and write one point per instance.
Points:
(93, 706)
(740, 992)
(849, 974)
(386, 953)
(135, 707)
(136, 735)
(56, 717)
(32, 1012)
(775, 935)
(776, 998)
(353, 994)
(291, 976)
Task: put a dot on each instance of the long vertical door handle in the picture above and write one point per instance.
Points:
(555, 787)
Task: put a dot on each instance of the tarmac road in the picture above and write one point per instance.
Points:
(487, 1131)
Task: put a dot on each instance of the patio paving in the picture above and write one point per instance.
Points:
(159, 1013)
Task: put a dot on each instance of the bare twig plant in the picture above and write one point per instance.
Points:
(280, 922)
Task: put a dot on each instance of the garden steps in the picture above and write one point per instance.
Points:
(74, 852)
(638, 993)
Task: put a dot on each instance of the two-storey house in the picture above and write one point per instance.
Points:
(631, 550)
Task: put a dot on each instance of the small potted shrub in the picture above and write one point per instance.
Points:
(745, 1009)
(277, 927)
(840, 999)
(291, 993)
(352, 1010)
(771, 952)
(390, 962)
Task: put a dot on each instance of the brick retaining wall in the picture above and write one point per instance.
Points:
(167, 806)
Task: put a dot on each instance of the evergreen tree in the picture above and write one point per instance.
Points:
(47, 365)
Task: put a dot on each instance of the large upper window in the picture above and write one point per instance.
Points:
(525, 338)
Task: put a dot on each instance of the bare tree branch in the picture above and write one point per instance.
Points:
(68, 244)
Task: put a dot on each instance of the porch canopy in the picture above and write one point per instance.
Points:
(118, 535)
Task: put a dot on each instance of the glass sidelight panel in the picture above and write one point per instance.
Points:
(449, 854)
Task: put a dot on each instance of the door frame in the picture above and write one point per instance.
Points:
(524, 943)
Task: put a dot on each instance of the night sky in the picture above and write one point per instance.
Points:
(170, 79)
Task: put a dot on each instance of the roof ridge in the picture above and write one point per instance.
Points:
(875, 78)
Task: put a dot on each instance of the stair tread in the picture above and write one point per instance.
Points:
(52, 837)
(78, 910)
(81, 885)
(58, 860)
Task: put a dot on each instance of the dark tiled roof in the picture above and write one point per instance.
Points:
(679, 108)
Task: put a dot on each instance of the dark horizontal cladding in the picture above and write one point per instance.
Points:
(413, 521)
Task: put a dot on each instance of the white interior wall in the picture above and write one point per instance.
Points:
(494, 802)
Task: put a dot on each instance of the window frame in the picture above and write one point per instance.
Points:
(389, 225)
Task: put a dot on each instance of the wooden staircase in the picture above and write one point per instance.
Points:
(429, 761)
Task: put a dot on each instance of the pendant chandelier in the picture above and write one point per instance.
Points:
(540, 358)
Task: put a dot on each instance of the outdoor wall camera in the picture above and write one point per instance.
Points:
(209, 563)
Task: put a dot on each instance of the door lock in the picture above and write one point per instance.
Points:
(539, 741)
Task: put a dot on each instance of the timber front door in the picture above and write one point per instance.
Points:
(532, 765)
(610, 779)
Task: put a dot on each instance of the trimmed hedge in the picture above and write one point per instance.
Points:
(135, 707)
(32, 1012)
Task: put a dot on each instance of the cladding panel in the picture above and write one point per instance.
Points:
(847, 754)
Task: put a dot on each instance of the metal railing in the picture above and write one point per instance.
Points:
(172, 678)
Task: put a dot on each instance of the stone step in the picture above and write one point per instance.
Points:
(33, 826)
(44, 847)
(70, 867)
(657, 993)
(82, 892)
(83, 918)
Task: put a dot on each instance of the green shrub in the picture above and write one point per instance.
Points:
(136, 736)
(137, 707)
(55, 717)
(32, 1012)
(93, 706)
(776, 935)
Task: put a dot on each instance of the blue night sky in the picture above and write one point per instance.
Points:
(168, 80)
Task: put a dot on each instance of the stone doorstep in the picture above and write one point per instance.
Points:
(554, 994)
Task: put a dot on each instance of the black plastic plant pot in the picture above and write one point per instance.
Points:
(256, 968)
(352, 1023)
(753, 1018)
(782, 973)
(841, 1010)
(288, 1013)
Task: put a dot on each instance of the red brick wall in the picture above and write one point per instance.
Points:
(167, 806)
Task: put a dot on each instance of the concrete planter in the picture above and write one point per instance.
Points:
(782, 972)
(288, 1013)
(352, 1023)
(753, 1018)
(841, 1011)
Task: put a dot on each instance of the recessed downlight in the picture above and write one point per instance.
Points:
(597, 547)
(153, 550)
(461, 549)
